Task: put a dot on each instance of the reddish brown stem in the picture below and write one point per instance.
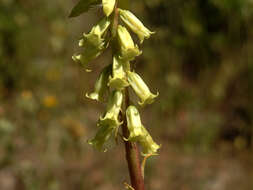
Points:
(132, 155)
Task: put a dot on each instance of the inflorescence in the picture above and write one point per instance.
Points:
(117, 76)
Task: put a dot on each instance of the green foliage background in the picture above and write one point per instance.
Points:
(200, 60)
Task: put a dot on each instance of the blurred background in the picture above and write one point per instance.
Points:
(200, 60)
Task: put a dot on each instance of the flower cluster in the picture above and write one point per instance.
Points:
(117, 76)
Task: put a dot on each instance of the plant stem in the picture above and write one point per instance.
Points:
(132, 152)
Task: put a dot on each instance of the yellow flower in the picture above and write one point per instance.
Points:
(134, 123)
(118, 80)
(141, 89)
(112, 111)
(101, 85)
(102, 136)
(108, 6)
(147, 143)
(50, 101)
(93, 43)
(128, 49)
(138, 133)
(135, 24)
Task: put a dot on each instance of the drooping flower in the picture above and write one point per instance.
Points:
(138, 133)
(113, 109)
(108, 6)
(118, 80)
(93, 43)
(134, 124)
(135, 24)
(102, 136)
(141, 89)
(101, 85)
(147, 143)
(128, 49)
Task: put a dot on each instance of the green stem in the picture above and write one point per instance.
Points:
(132, 152)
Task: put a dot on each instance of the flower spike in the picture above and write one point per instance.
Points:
(113, 109)
(128, 50)
(93, 43)
(101, 85)
(135, 24)
(118, 80)
(141, 89)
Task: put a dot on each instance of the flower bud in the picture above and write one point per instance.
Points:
(135, 24)
(93, 43)
(147, 143)
(108, 6)
(101, 85)
(118, 80)
(141, 89)
(113, 109)
(101, 137)
(134, 123)
(128, 50)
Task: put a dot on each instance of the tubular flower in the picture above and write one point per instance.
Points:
(100, 85)
(101, 137)
(134, 123)
(147, 143)
(93, 43)
(108, 6)
(141, 89)
(135, 24)
(118, 80)
(128, 50)
(113, 109)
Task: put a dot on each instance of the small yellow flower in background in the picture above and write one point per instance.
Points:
(135, 24)
(141, 89)
(50, 101)
(93, 43)
(101, 85)
(26, 94)
(112, 111)
(134, 123)
(118, 80)
(108, 6)
(128, 49)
